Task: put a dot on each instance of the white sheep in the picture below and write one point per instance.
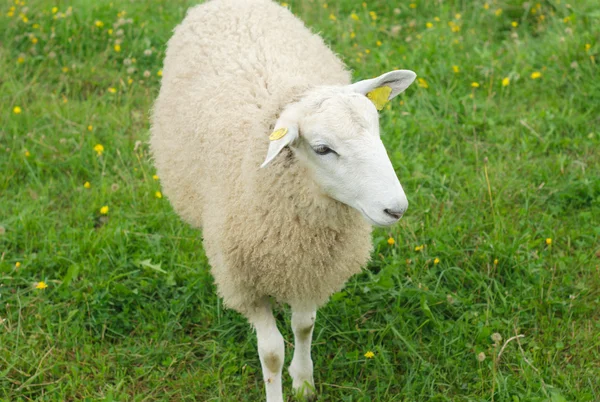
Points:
(243, 79)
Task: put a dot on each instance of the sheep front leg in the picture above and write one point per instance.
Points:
(270, 350)
(301, 368)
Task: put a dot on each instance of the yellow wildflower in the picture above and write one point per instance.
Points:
(548, 241)
(34, 40)
(21, 60)
(35, 26)
(110, 31)
(90, 127)
(65, 69)
(332, 17)
(505, 82)
(391, 241)
(159, 73)
(587, 47)
(112, 90)
(158, 194)
(104, 210)
(17, 264)
(87, 184)
(99, 149)
(54, 10)
(514, 24)
(486, 6)
(422, 83)
(373, 15)
(17, 110)
(325, 5)
(41, 285)
(412, 5)
(24, 19)
(437, 19)
(436, 261)
(496, 261)
(419, 248)
(27, 154)
(378, 43)
(99, 23)
(367, 51)
(155, 177)
(535, 75)
(129, 81)
(457, 16)
(284, 4)
(117, 48)
(475, 84)
(498, 12)
(429, 25)
(455, 69)
(354, 17)
(352, 35)
(369, 355)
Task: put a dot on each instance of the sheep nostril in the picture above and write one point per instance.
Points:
(394, 214)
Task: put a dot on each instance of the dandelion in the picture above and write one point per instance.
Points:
(457, 16)
(498, 12)
(535, 75)
(147, 52)
(35, 26)
(21, 59)
(378, 43)
(34, 40)
(325, 5)
(587, 47)
(373, 15)
(129, 81)
(548, 241)
(27, 154)
(419, 248)
(422, 83)
(104, 210)
(146, 74)
(354, 17)
(24, 19)
(496, 261)
(65, 69)
(17, 264)
(475, 84)
(112, 90)
(429, 25)
(87, 184)
(332, 17)
(436, 261)
(391, 241)
(110, 32)
(367, 51)
(505, 81)
(99, 149)
(284, 4)
(117, 48)
(41, 285)
(369, 355)
(412, 5)
(90, 127)
(436, 19)
(496, 337)
(159, 73)
(99, 24)
(17, 110)
(455, 69)
(486, 6)
(54, 10)
(514, 24)
(481, 357)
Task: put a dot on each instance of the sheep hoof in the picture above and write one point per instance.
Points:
(304, 391)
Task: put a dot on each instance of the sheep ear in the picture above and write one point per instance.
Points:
(282, 136)
(385, 87)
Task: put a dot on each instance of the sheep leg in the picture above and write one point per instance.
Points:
(301, 368)
(270, 350)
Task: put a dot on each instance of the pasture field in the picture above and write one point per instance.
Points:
(487, 290)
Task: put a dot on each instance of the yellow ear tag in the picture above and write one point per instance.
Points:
(380, 96)
(277, 134)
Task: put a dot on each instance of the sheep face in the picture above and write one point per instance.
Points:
(334, 131)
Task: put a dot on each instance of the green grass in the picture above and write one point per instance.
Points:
(490, 172)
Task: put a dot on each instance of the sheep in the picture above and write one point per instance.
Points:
(261, 140)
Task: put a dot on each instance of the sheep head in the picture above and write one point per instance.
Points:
(335, 132)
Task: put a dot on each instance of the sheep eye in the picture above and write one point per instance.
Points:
(323, 150)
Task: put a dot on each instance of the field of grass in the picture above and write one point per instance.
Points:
(106, 295)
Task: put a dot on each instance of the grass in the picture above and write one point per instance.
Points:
(501, 237)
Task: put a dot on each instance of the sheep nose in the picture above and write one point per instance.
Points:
(394, 214)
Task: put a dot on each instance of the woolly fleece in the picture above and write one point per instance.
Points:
(230, 68)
